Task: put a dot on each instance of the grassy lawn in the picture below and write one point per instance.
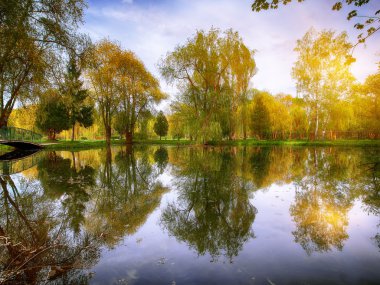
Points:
(254, 142)
(86, 144)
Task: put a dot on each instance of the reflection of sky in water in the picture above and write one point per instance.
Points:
(335, 231)
(151, 255)
(272, 254)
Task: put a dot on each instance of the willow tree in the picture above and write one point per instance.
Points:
(212, 71)
(31, 33)
(322, 73)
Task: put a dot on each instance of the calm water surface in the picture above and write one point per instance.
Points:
(192, 215)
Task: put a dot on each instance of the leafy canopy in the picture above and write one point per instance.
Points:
(370, 22)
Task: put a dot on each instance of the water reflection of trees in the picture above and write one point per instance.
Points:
(327, 181)
(54, 227)
(213, 213)
(36, 242)
(127, 193)
(67, 178)
(370, 187)
(325, 193)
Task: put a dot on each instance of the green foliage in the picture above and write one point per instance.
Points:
(212, 71)
(260, 123)
(322, 74)
(122, 85)
(52, 114)
(33, 37)
(76, 97)
(161, 158)
(161, 125)
(372, 22)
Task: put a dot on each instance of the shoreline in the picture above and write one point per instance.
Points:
(68, 145)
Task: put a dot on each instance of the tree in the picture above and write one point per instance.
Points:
(176, 126)
(212, 71)
(31, 34)
(260, 123)
(121, 85)
(102, 74)
(76, 97)
(138, 91)
(52, 114)
(371, 23)
(161, 125)
(372, 91)
(322, 73)
(366, 102)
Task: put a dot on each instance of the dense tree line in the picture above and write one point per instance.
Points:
(329, 104)
(69, 82)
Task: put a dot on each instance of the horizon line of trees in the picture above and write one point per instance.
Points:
(109, 90)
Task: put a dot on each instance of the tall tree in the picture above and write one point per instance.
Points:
(76, 97)
(372, 100)
(161, 125)
(121, 85)
(322, 72)
(138, 91)
(31, 33)
(366, 102)
(212, 71)
(102, 74)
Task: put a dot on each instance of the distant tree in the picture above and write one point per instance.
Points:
(322, 74)
(101, 63)
(212, 70)
(139, 91)
(52, 114)
(121, 85)
(260, 121)
(76, 97)
(370, 22)
(176, 126)
(366, 104)
(161, 125)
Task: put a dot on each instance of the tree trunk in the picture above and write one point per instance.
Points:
(73, 133)
(4, 119)
(128, 137)
(316, 124)
(51, 134)
(108, 135)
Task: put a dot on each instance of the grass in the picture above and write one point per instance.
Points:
(254, 142)
(88, 144)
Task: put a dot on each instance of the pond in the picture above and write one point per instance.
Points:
(192, 215)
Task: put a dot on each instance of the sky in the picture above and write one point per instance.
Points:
(152, 28)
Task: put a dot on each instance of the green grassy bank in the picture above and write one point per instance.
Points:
(253, 142)
(88, 144)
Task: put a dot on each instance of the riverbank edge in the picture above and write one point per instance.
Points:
(69, 145)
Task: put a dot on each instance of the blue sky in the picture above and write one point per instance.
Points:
(151, 28)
